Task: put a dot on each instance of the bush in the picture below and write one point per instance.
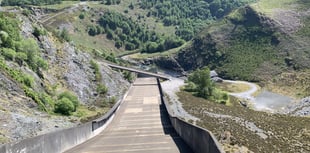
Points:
(82, 16)
(28, 80)
(42, 63)
(64, 34)
(47, 100)
(38, 32)
(96, 68)
(64, 106)
(8, 53)
(20, 58)
(200, 83)
(71, 97)
(102, 89)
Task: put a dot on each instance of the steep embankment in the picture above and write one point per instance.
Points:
(41, 76)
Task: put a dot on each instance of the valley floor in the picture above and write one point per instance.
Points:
(244, 130)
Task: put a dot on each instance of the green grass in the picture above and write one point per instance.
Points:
(151, 22)
(233, 87)
(86, 113)
(268, 6)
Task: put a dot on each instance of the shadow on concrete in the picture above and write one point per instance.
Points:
(169, 130)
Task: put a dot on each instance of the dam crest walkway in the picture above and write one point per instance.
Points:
(141, 125)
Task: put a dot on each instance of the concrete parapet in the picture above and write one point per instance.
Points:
(62, 140)
(199, 139)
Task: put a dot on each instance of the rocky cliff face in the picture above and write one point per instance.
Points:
(69, 70)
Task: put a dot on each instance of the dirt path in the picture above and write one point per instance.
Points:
(246, 94)
(64, 11)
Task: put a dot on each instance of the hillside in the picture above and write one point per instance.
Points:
(254, 43)
(52, 54)
(46, 83)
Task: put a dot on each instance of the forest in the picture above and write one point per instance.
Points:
(130, 35)
(191, 15)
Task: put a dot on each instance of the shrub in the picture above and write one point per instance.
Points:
(42, 63)
(20, 57)
(8, 53)
(28, 80)
(64, 106)
(82, 16)
(38, 32)
(102, 89)
(47, 100)
(71, 97)
(200, 83)
(64, 34)
(190, 87)
(95, 66)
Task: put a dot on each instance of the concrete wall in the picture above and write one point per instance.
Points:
(62, 140)
(54, 142)
(199, 139)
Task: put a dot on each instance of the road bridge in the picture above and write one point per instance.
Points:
(164, 77)
(141, 125)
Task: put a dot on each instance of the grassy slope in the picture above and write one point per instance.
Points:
(295, 137)
(78, 27)
(245, 46)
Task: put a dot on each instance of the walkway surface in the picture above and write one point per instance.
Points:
(161, 76)
(140, 126)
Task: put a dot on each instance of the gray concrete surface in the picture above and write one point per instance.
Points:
(141, 125)
(139, 71)
(197, 138)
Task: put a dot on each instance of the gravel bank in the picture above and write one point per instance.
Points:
(171, 87)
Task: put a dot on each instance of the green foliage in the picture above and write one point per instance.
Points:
(199, 82)
(190, 15)
(8, 53)
(111, 2)
(14, 48)
(71, 97)
(96, 68)
(111, 58)
(28, 80)
(102, 89)
(204, 85)
(35, 96)
(128, 76)
(305, 30)
(132, 36)
(47, 100)
(31, 49)
(82, 16)
(64, 35)
(94, 30)
(20, 58)
(237, 47)
(64, 106)
(9, 30)
(38, 32)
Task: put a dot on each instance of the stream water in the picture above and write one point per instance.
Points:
(265, 101)
(271, 101)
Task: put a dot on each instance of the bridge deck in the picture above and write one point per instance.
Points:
(138, 71)
(140, 126)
